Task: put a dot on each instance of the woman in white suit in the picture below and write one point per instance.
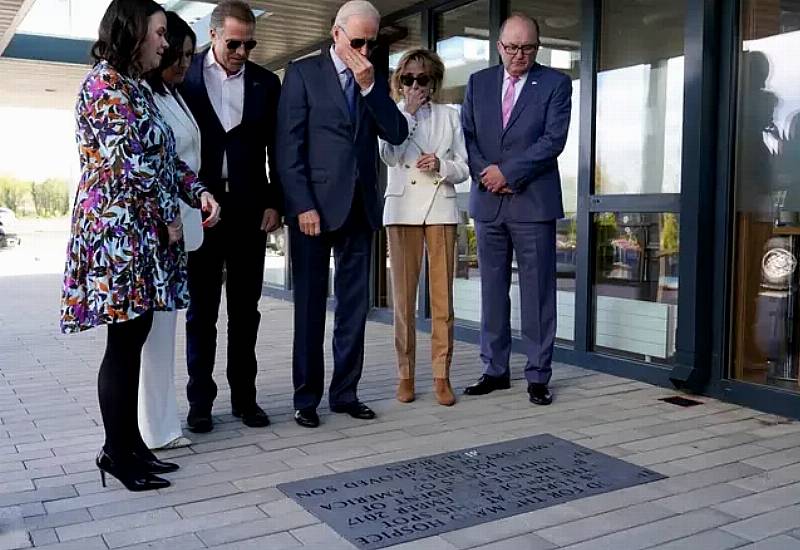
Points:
(159, 422)
(421, 213)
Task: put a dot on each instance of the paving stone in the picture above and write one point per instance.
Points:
(256, 528)
(42, 537)
(278, 541)
(775, 543)
(88, 543)
(231, 502)
(129, 521)
(761, 503)
(160, 531)
(766, 525)
(715, 539)
(13, 534)
(602, 524)
(658, 532)
(702, 498)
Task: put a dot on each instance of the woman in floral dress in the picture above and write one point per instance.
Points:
(125, 258)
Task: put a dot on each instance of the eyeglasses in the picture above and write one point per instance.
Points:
(513, 49)
(234, 45)
(358, 43)
(408, 79)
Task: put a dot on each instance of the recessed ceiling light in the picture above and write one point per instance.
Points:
(50, 90)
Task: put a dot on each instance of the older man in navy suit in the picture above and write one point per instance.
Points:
(332, 110)
(516, 118)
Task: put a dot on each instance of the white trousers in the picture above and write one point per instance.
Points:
(158, 404)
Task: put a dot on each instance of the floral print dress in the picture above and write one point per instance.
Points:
(131, 180)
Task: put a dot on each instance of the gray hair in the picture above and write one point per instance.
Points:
(356, 8)
(232, 8)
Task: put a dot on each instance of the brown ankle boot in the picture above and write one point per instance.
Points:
(405, 390)
(444, 392)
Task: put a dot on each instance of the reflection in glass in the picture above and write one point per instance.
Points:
(462, 41)
(640, 97)
(275, 261)
(766, 334)
(636, 284)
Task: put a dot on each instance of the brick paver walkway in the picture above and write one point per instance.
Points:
(734, 473)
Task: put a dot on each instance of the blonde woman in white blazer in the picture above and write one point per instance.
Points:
(421, 213)
(159, 422)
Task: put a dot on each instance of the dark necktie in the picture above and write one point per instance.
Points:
(350, 93)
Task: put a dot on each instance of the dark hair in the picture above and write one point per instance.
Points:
(178, 31)
(232, 8)
(523, 17)
(431, 63)
(122, 31)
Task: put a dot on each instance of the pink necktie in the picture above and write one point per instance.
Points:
(508, 99)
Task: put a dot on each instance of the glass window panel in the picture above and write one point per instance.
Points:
(636, 284)
(765, 333)
(275, 261)
(560, 27)
(640, 97)
(462, 41)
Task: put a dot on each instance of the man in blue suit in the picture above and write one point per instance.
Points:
(235, 103)
(515, 119)
(332, 109)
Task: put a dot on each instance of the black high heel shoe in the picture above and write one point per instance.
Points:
(129, 473)
(152, 464)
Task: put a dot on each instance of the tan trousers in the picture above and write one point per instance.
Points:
(406, 245)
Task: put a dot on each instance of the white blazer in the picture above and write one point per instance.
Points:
(187, 143)
(417, 198)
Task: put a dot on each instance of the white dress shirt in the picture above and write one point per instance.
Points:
(517, 89)
(226, 94)
(341, 67)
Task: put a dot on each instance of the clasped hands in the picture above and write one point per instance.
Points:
(494, 180)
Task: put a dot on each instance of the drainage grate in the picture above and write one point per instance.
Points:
(681, 401)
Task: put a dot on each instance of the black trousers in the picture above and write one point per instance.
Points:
(118, 384)
(237, 245)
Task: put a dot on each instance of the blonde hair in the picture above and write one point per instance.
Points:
(431, 63)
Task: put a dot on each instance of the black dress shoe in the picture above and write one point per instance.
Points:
(129, 472)
(152, 464)
(252, 415)
(199, 421)
(307, 418)
(357, 409)
(487, 384)
(539, 394)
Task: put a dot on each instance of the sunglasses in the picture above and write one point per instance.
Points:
(358, 43)
(234, 45)
(408, 80)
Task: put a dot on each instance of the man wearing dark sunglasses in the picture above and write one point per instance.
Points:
(332, 110)
(237, 137)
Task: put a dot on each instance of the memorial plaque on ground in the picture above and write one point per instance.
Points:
(385, 505)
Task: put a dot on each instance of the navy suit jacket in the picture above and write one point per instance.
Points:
(525, 151)
(322, 155)
(247, 146)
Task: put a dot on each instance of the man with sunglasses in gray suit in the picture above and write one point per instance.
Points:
(235, 103)
(332, 110)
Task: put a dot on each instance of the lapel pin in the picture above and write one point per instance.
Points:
(534, 82)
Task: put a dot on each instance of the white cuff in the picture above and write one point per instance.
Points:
(368, 90)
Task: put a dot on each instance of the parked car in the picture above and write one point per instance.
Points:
(8, 229)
